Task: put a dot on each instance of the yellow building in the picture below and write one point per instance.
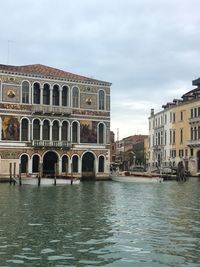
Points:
(174, 133)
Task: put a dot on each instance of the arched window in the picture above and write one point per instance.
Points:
(101, 100)
(36, 93)
(36, 130)
(24, 128)
(75, 97)
(25, 92)
(55, 130)
(55, 95)
(35, 163)
(74, 132)
(65, 131)
(46, 130)
(101, 133)
(75, 164)
(65, 96)
(46, 94)
(101, 164)
(65, 164)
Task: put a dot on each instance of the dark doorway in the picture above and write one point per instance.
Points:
(198, 160)
(88, 170)
(24, 164)
(65, 164)
(49, 161)
(35, 163)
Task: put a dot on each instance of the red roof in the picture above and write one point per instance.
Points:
(38, 69)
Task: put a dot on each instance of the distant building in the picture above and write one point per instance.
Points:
(131, 151)
(174, 133)
(53, 121)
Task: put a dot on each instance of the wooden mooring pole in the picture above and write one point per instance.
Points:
(39, 173)
(14, 173)
(71, 173)
(10, 171)
(20, 174)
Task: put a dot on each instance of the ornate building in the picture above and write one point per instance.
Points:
(53, 121)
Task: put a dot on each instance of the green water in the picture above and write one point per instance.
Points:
(101, 224)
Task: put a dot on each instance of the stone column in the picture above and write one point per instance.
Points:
(51, 96)
(41, 96)
(41, 130)
(30, 129)
(60, 97)
(50, 131)
(60, 131)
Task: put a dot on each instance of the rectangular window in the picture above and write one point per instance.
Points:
(170, 137)
(198, 111)
(191, 113)
(181, 153)
(174, 137)
(181, 136)
(173, 153)
(195, 112)
(186, 152)
(181, 116)
(174, 117)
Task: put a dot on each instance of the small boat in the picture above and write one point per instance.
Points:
(46, 181)
(132, 177)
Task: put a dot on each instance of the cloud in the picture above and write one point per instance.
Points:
(148, 49)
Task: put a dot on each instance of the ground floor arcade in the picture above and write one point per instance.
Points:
(84, 164)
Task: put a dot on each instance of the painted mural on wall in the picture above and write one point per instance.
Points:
(10, 128)
(88, 131)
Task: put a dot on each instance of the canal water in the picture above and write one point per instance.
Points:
(101, 224)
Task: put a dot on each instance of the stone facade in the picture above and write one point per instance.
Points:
(53, 121)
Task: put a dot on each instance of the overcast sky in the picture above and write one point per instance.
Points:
(148, 49)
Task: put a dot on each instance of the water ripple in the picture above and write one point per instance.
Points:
(101, 224)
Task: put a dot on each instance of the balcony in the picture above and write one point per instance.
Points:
(194, 120)
(194, 143)
(48, 143)
(46, 109)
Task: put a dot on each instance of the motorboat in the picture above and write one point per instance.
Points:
(127, 176)
(46, 181)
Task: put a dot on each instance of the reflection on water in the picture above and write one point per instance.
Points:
(101, 224)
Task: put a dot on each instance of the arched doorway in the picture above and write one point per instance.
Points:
(35, 163)
(65, 163)
(24, 164)
(198, 160)
(88, 169)
(49, 161)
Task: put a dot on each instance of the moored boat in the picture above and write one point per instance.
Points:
(132, 177)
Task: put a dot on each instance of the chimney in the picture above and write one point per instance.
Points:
(152, 111)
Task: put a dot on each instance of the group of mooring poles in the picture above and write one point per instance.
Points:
(13, 177)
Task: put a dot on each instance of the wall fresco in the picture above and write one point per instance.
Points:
(10, 128)
(88, 131)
